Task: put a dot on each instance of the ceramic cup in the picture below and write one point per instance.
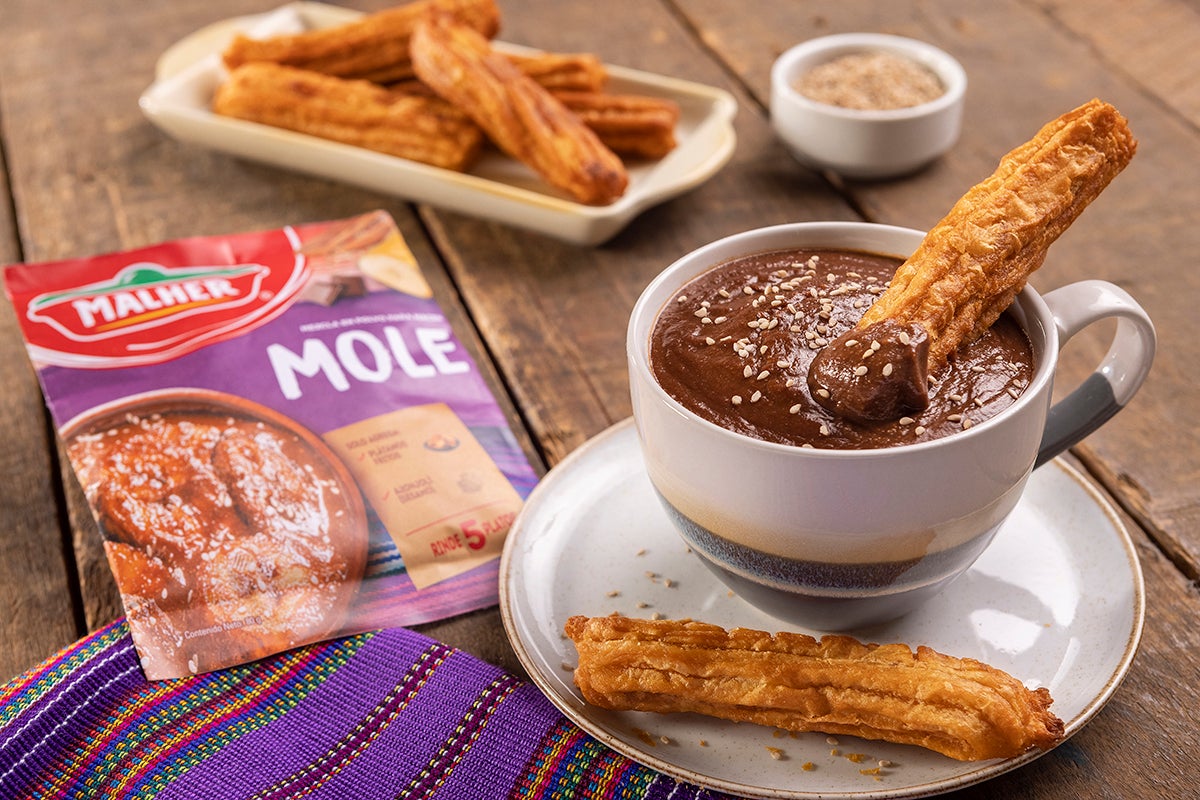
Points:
(839, 539)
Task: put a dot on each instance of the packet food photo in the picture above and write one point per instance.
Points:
(279, 434)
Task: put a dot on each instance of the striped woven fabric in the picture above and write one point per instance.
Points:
(388, 714)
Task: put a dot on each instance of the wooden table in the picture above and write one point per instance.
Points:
(85, 173)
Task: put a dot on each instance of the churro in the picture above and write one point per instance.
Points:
(630, 125)
(521, 117)
(359, 113)
(958, 707)
(576, 72)
(973, 263)
(374, 47)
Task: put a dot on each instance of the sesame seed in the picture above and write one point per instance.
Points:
(795, 409)
(919, 430)
(966, 423)
(956, 398)
(782, 363)
(736, 399)
(807, 446)
(681, 299)
(851, 342)
(868, 353)
(748, 371)
(709, 340)
(723, 293)
(976, 368)
(754, 398)
(858, 304)
(763, 375)
(905, 338)
(747, 290)
(831, 740)
(979, 402)
(875, 345)
(719, 320)
(887, 370)
(823, 393)
(955, 417)
(1013, 393)
(706, 320)
(906, 420)
(790, 382)
(860, 371)
(700, 312)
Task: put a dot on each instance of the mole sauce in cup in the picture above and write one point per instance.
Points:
(735, 347)
(821, 522)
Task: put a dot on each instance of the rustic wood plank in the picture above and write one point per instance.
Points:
(1153, 44)
(36, 582)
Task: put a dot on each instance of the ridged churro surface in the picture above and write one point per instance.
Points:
(971, 264)
(359, 113)
(375, 47)
(959, 707)
(521, 117)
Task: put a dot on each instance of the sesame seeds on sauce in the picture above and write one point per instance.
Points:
(778, 310)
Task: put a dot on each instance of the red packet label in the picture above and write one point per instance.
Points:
(436, 490)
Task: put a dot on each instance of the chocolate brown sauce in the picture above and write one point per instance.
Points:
(735, 345)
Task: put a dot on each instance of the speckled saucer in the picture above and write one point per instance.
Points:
(593, 539)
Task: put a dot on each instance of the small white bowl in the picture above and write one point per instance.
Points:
(865, 144)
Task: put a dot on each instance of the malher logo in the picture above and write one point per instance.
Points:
(159, 303)
(145, 296)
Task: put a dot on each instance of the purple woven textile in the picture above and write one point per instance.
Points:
(388, 714)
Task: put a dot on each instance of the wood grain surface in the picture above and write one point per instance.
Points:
(84, 172)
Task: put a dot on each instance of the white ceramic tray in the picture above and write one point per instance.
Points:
(496, 188)
(1057, 600)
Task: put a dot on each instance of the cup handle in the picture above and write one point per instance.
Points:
(1115, 381)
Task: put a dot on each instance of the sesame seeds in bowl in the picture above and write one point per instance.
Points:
(867, 106)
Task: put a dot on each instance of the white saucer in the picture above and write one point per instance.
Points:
(1057, 601)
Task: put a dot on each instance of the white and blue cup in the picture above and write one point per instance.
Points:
(839, 539)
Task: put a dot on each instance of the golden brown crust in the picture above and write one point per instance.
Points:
(374, 47)
(959, 707)
(632, 125)
(359, 113)
(972, 264)
(578, 72)
(517, 114)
